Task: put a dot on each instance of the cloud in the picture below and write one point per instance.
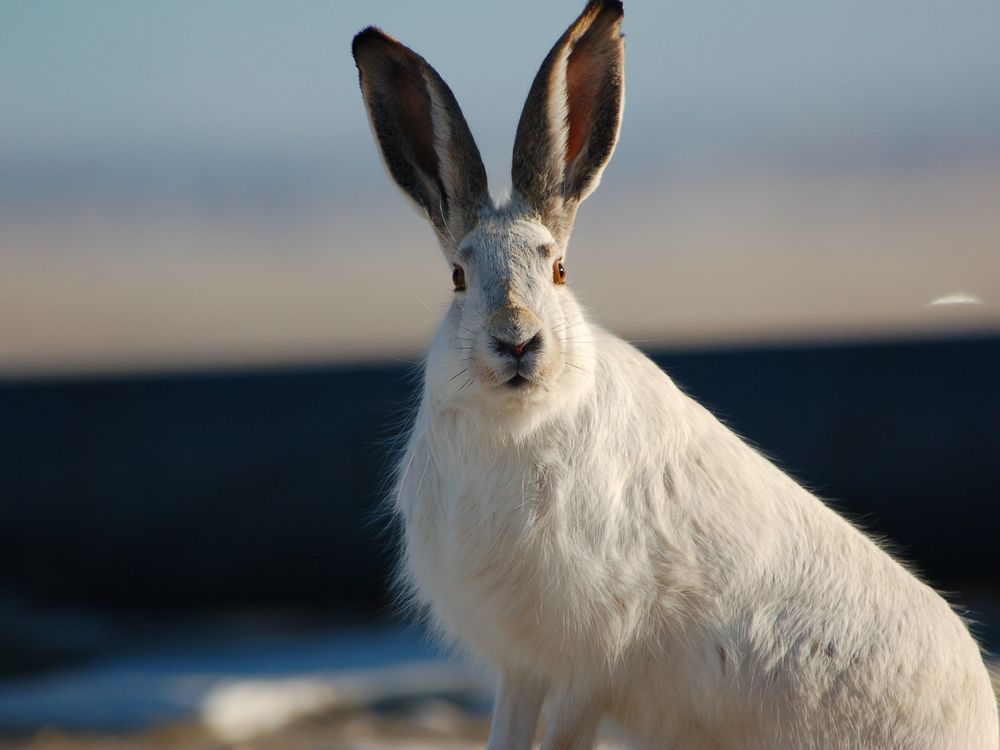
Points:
(955, 298)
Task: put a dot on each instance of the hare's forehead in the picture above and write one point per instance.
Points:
(506, 238)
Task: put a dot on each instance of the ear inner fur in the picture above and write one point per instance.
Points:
(569, 124)
(594, 92)
(416, 124)
(423, 136)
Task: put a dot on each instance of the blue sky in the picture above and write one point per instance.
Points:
(708, 82)
(194, 181)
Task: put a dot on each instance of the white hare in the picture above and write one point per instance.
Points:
(579, 524)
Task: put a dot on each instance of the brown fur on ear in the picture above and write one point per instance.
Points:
(424, 138)
(571, 119)
(400, 107)
(594, 92)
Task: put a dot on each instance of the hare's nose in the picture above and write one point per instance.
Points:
(517, 350)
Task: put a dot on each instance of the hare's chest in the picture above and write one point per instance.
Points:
(513, 554)
(479, 539)
(469, 520)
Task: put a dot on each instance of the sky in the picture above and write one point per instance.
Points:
(117, 79)
(165, 167)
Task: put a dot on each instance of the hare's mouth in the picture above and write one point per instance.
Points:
(518, 381)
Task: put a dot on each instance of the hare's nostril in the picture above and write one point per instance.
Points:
(532, 344)
(517, 350)
(504, 347)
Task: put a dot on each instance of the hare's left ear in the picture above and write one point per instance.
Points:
(423, 136)
(570, 122)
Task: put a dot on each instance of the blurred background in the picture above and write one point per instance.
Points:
(213, 303)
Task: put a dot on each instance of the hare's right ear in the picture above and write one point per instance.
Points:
(424, 138)
(570, 122)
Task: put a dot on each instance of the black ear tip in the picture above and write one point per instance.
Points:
(614, 7)
(366, 37)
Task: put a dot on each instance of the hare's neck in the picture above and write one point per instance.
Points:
(494, 421)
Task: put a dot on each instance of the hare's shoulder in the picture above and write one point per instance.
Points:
(625, 369)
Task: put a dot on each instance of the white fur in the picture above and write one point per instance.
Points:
(618, 544)
(605, 543)
(604, 538)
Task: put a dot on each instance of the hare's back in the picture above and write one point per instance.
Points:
(798, 612)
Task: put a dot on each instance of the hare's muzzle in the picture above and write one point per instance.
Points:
(517, 350)
(515, 332)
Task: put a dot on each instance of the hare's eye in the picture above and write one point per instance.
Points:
(458, 279)
(558, 272)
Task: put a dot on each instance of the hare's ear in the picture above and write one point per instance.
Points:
(424, 138)
(570, 122)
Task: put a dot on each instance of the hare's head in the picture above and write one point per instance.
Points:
(514, 334)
